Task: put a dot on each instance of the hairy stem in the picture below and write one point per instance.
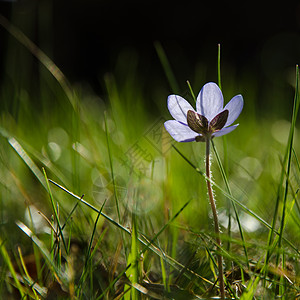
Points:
(215, 216)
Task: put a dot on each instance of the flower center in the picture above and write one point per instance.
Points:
(200, 124)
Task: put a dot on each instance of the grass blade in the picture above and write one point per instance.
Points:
(191, 91)
(55, 212)
(28, 161)
(42, 249)
(284, 172)
(132, 260)
(41, 56)
(289, 159)
(11, 269)
(164, 227)
(27, 274)
(219, 66)
(112, 169)
(166, 66)
(90, 253)
(224, 176)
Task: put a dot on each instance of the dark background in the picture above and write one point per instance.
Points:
(87, 38)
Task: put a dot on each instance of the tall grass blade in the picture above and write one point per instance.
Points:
(166, 66)
(28, 277)
(90, 253)
(60, 233)
(284, 172)
(40, 55)
(219, 66)
(298, 167)
(224, 176)
(191, 91)
(11, 269)
(289, 159)
(28, 161)
(249, 294)
(132, 260)
(164, 227)
(43, 250)
(91, 206)
(111, 168)
(224, 170)
(113, 282)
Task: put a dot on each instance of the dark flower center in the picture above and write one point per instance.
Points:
(200, 124)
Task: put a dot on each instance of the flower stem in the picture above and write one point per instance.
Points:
(215, 216)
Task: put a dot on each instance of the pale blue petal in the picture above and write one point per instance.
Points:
(178, 108)
(234, 106)
(209, 101)
(225, 130)
(180, 132)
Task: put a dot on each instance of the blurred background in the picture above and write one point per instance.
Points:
(90, 38)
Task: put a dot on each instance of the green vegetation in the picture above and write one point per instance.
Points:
(97, 201)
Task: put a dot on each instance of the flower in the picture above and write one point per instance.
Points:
(210, 118)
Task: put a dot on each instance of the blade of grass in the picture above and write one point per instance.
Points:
(191, 90)
(113, 282)
(219, 66)
(42, 249)
(75, 136)
(90, 254)
(35, 250)
(166, 66)
(289, 155)
(164, 275)
(71, 213)
(33, 155)
(286, 188)
(164, 227)
(189, 162)
(298, 167)
(283, 172)
(40, 55)
(252, 286)
(288, 214)
(224, 176)
(28, 161)
(55, 212)
(27, 274)
(213, 263)
(132, 260)
(11, 269)
(289, 151)
(224, 170)
(111, 168)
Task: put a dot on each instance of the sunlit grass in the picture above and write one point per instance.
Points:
(125, 212)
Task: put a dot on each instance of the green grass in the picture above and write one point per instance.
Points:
(97, 201)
